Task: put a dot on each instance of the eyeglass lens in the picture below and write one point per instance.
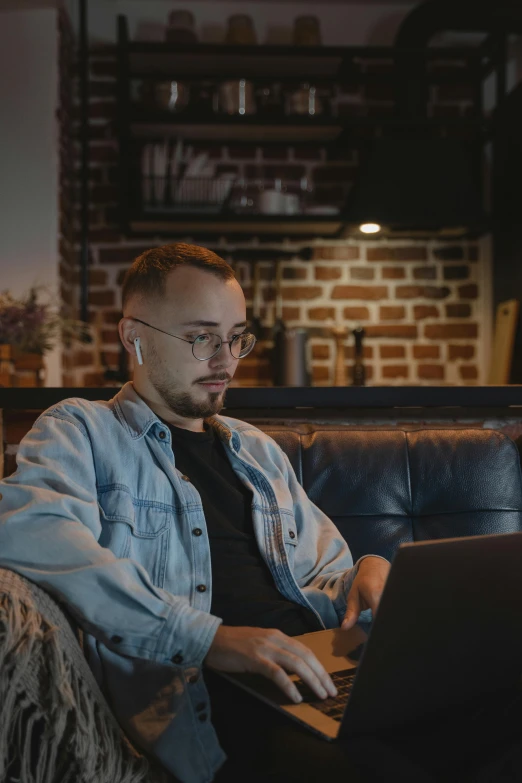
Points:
(207, 345)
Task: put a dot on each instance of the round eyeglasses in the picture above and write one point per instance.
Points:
(205, 346)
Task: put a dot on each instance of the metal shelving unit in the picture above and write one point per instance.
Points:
(289, 65)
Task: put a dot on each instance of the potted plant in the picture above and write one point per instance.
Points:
(29, 328)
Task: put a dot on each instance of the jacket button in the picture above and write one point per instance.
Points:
(202, 717)
(291, 534)
(185, 478)
(201, 706)
(197, 531)
(177, 658)
(193, 679)
(201, 589)
(162, 434)
(116, 639)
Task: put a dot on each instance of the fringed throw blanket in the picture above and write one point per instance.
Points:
(55, 725)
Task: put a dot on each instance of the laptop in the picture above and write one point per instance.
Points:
(448, 632)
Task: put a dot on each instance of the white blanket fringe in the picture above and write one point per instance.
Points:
(55, 726)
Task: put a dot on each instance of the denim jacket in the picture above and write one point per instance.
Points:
(98, 515)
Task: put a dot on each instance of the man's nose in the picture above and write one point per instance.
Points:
(223, 358)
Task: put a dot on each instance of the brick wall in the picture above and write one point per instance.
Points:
(67, 190)
(423, 304)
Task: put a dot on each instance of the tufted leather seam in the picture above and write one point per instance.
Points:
(408, 471)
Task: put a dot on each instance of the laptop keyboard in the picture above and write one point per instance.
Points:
(333, 706)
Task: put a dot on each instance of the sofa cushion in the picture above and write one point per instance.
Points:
(383, 487)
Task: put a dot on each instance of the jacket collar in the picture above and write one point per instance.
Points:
(138, 418)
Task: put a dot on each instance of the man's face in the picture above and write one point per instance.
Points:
(195, 302)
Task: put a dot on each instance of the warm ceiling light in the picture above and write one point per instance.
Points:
(369, 228)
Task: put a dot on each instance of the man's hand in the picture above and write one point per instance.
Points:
(272, 654)
(366, 590)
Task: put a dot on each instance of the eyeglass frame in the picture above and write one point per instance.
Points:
(192, 342)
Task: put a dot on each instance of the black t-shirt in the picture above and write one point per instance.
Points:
(243, 590)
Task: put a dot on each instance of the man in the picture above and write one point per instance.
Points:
(179, 538)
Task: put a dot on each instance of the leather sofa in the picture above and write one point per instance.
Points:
(384, 487)
(381, 487)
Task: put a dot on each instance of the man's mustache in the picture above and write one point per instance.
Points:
(215, 378)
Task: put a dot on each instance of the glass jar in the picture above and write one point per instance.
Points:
(240, 30)
(307, 31)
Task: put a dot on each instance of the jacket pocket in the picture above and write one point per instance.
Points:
(289, 535)
(137, 529)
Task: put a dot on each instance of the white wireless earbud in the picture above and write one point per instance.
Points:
(137, 346)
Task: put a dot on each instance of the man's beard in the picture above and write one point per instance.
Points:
(181, 403)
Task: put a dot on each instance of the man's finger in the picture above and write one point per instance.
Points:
(304, 652)
(353, 609)
(278, 676)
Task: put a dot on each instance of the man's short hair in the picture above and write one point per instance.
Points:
(147, 275)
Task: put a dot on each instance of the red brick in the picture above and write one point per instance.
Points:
(392, 330)
(349, 351)
(103, 153)
(456, 272)
(120, 254)
(104, 68)
(105, 235)
(392, 313)
(301, 292)
(96, 276)
(328, 272)
(449, 253)
(320, 351)
(83, 358)
(469, 291)
(458, 310)
(426, 352)
(451, 331)
(106, 298)
(294, 273)
(99, 110)
(468, 372)
(104, 194)
(321, 313)
(291, 313)
(111, 357)
(461, 352)
(425, 273)
(356, 313)
(102, 89)
(386, 253)
(362, 273)
(336, 253)
(431, 371)
(425, 311)
(392, 351)
(393, 273)
(110, 336)
(425, 291)
(360, 292)
(395, 371)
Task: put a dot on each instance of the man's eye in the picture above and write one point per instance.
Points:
(202, 339)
